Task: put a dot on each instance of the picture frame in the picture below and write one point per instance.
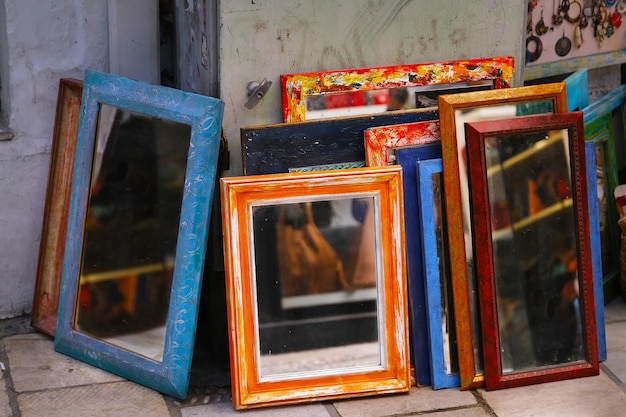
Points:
(549, 97)
(595, 237)
(407, 157)
(601, 120)
(119, 113)
(437, 279)
(381, 140)
(56, 208)
(556, 338)
(256, 381)
(296, 88)
(279, 148)
(577, 85)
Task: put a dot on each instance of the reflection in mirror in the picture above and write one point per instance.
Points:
(131, 229)
(534, 250)
(363, 102)
(326, 273)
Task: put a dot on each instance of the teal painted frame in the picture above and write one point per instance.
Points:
(204, 114)
(432, 282)
(610, 104)
(594, 240)
(577, 86)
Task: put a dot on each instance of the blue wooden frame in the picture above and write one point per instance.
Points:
(577, 86)
(440, 375)
(204, 114)
(596, 246)
(407, 157)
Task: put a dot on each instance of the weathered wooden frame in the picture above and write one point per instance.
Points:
(239, 196)
(204, 114)
(56, 209)
(471, 376)
(295, 87)
(477, 132)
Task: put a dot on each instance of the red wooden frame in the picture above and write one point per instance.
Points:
(477, 133)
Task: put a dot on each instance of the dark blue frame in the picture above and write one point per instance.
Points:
(407, 158)
(204, 114)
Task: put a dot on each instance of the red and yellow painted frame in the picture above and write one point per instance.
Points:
(570, 150)
(460, 246)
(240, 195)
(51, 248)
(379, 140)
(296, 87)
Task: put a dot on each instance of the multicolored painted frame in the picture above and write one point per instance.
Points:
(379, 140)
(296, 87)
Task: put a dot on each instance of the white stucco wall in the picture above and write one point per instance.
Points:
(44, 41)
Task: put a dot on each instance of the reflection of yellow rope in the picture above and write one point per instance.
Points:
(120, 273)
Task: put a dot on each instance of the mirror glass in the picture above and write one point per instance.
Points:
(534, 249)
(131, 230)
(362, 102)
(450, 353)
(317, 297)
(468, 115)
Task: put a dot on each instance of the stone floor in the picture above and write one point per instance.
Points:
(39, 382)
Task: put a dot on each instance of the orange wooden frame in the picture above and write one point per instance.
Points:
(471, 376)
(239, 196)
(52, 246)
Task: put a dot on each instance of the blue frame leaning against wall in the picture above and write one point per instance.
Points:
(407, 158)
(204, 115)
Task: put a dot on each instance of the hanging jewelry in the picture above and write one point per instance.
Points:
(533, 55)
(569, 12)
(541, 28)
(563, 45)
(578, 36)
(557, 19)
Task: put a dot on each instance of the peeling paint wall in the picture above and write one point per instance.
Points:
(267, 38)
(43, 41)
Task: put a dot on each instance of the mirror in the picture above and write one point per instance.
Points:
(362, 91)
(142, 186)
(438, 282)
(455, 111)
(358, 103)
(529, 204)
(130, 236)
(326, 254)
(316, 286)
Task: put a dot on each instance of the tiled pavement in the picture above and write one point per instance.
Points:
(39, 382)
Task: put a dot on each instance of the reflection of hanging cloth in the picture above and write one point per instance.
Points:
(365, 270)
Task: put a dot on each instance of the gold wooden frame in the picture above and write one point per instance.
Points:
(239, 196)
(455, 203)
